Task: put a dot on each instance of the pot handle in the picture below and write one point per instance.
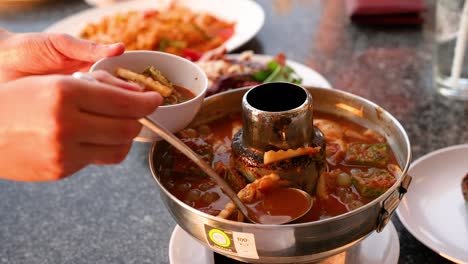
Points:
(391, 203)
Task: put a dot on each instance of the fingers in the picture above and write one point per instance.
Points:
(108, 78)
(104, 99)
(84, 50)
(102, 130)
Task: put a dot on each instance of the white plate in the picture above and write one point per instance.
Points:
(377, 248)
(183, 248)
(434, 210)
(309, 76)
(248, 15)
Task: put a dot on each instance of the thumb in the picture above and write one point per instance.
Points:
(84, 50)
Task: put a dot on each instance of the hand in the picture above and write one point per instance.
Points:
(52, 126)
(39, 54)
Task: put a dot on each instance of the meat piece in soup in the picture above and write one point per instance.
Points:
(253, 192)
(361, 166)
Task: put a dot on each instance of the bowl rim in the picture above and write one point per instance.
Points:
(204, 77)
(236, 224)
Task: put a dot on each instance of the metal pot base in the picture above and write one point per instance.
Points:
(378, 248)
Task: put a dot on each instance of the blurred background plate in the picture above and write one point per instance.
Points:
(248, 15)
(434, 210)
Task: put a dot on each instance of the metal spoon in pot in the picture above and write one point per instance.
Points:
(250, 214)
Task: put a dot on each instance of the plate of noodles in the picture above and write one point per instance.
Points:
(187, 28)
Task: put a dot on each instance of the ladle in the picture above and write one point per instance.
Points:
(249, 214)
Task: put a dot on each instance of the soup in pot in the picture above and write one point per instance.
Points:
(360, 166)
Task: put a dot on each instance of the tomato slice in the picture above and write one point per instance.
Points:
(191, 54)
(225, 33)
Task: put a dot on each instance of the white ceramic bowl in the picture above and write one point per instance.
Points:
(179, 71)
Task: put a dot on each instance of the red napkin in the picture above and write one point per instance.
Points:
(386, 12)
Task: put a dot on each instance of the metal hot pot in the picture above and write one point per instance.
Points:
(301, 242)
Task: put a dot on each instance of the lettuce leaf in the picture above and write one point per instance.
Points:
(275, 72)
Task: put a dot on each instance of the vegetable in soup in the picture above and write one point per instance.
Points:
(154, 80)
(360, 167)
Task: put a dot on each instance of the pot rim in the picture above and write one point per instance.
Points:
(379, 199)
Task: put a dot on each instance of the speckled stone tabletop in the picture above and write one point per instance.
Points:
(113, 214)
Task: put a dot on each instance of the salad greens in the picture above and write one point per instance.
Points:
(276, 72)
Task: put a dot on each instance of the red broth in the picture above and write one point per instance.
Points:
(179, 95)
(184, 180)
(279, 206)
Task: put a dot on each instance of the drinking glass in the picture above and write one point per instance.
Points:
(451, 62)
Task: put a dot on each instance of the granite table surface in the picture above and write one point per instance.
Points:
(113, 214)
